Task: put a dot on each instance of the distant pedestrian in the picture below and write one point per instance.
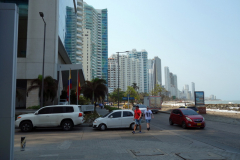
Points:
(101, 105)
(148, 116)
(137, 118)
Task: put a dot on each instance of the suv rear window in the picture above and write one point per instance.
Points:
(68, 109)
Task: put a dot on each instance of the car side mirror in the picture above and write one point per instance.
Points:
(111, 117)
(36, 113)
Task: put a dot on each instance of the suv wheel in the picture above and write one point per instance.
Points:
(26, 126)
(67, 125)
(170, 122)
(184, 126)
(102, 127)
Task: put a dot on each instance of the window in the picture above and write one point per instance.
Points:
(175, 111)
(127, 114)
(116, 114)
(44, 111)
(68, 109)
(57, 109)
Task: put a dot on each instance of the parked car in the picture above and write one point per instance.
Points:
(65, 116)
(190, 107)
(115, 119)
(142, 107)
(63, 102)
(186, 118)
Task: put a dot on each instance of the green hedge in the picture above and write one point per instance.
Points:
(34, 107)
(111, 108)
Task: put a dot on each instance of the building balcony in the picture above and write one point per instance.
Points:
(79, 53)
(79, 59)
(79, 18)
(79, 47)
(79, 24)
(79, 36)
(79, 13)
(79, 41)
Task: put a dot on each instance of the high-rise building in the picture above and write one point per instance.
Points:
(79, 44)
(96, 20)
(104, 13)
(142, 57)
(154, 72)
(167, 79)
(193, 89)
(129, 72)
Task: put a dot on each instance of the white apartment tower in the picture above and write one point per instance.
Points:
(154, 72)
(129, 72)
(167, 79)
(142, 58)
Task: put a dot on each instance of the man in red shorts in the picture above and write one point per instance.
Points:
(137, 118)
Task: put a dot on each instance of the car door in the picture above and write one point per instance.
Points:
(56, 116)
(173, 116)
(42, 119)
(115, 120)
(178, 117)
(127, 118)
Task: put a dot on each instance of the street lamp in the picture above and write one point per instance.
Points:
(118, 74)
(42, 15)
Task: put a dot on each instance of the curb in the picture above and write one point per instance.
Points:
(164, 112)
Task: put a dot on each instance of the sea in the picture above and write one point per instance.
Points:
(223, 102)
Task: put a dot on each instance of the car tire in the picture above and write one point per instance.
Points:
(202, 127)
(132, 126)
(170, 122)
(102, 127)
(26, 126)
(67, 125)
(184, 126)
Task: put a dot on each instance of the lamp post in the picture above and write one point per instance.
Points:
(42, 15)
(118, 75)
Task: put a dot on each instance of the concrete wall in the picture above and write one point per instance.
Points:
(32, 98)
(31, 66)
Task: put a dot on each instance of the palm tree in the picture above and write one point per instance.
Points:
(134, 85)
(95, 90)
(49, 90)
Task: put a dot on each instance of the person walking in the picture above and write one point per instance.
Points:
(148, 115)
(137, 118)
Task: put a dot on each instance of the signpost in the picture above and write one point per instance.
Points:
(126, 98)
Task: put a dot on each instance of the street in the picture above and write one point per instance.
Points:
(216, 141)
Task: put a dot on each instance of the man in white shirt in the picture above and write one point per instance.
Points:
(148, 115)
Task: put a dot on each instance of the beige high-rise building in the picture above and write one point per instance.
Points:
(87, 67)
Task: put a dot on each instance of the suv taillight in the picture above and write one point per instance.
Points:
(80, 115)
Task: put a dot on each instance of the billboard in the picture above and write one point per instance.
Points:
(199, 98)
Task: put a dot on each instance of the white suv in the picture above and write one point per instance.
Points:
(65, 116)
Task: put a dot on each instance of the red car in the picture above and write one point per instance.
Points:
(186, 118)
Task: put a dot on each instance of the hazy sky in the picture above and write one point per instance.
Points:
(198, 40)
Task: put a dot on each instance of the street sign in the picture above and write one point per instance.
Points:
(126, 98)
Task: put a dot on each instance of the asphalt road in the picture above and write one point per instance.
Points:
(216, 141)
(220, 135)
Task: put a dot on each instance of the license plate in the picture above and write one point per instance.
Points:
(199, 124)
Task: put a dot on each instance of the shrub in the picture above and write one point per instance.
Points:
(34, 107)
(110, 108)
(90, 117)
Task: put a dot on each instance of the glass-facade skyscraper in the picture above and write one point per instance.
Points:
(95, 21)
(105, 44)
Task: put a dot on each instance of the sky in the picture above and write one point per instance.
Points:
(198, 40)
